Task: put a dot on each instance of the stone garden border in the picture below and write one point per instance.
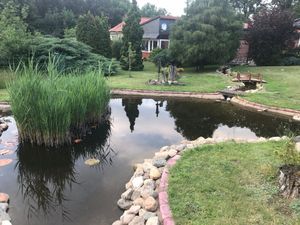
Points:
(145, 200)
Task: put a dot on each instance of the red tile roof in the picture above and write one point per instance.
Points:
(120, 26)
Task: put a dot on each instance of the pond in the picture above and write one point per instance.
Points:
(54, 186)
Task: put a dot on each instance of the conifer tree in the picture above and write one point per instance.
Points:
(93, 31)
(208, 35)
(132, 33)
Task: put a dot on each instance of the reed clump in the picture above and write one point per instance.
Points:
(51, 108)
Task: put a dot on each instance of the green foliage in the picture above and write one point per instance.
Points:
(93, 31)
(290, 61)
(73, 55)
(268, 38)
(14, 39)
(133, 33)
(70, 33)
(246, 7)
(160, 57)
(288, 153)
(150, 10)
(51, 109)
(208, 35)
(116, 49)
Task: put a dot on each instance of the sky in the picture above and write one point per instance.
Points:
(174, 7)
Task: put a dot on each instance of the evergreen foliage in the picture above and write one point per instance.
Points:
(269, 36)
(94, 31)
(132, 33)
(208, 35)
(73, 55)
(116, 49)
(14, 39)
(150, 10)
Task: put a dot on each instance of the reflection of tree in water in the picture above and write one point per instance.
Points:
(131, 109)
(44, 174)
(195, 119)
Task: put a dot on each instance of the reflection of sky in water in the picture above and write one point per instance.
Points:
(225, 132)
(92, 198)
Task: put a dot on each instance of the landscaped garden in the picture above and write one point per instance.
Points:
(83, 143)
(230, 184)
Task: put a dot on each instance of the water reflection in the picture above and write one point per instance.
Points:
(203, 119)
(45, 173)
(131, 108)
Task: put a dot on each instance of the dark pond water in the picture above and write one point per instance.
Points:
(54, 187)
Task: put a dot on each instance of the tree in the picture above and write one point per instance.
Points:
(269, 36)
(133, 33)
(246, 7)
(14, 38)
(209, 35)
(93, 31)
(150, 10)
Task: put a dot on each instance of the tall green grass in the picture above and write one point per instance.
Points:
(52, 108)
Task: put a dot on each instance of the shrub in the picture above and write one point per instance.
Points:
(161, 57)
(116, 49)
(51, 109)
(73, 55)
(290, 61)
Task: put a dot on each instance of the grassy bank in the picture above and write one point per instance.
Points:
(52, 109)
(206, 81)
(282, 89)
(230, 184)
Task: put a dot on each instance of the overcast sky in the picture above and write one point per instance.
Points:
(174, 7)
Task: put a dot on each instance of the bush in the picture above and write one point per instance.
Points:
(290, 61)
(51, 109)
(116, 49)
(73, 55)
(161, 56)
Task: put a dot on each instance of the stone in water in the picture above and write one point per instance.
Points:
(92, 162)
(5, 162)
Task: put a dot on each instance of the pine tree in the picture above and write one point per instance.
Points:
(208, 35)
(93, 31)
(133, 33)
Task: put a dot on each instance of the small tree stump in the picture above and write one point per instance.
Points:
(289, 181)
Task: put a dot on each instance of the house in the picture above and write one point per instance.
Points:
(297, 33)
(156, 32)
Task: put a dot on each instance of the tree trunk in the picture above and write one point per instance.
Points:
(289, 181)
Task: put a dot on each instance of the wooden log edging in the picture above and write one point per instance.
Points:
(284, 112)
(145, 200)
(146, 93)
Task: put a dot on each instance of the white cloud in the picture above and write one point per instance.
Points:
(174, 7)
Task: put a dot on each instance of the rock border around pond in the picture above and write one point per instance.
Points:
(145, 200)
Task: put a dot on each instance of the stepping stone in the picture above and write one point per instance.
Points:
(6, 152)
(92, 162)
(5, 162)
(4, 198)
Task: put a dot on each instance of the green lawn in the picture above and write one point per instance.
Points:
(5, 76)
(204, 82)
(230, 184)
(282, 89)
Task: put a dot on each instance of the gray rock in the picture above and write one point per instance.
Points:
(118, 222)
(4, 207)
(126, 218)
(127, 194)
(153, 221)
(6, 222)
(147, 192)
(159, 163)
(4, 216)
(134, 209)
(297, 139)
(149, 183)
(136, 194)
(124, 204)
(180, 147)
(146, 215)
(137, 182)
(138, 220)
